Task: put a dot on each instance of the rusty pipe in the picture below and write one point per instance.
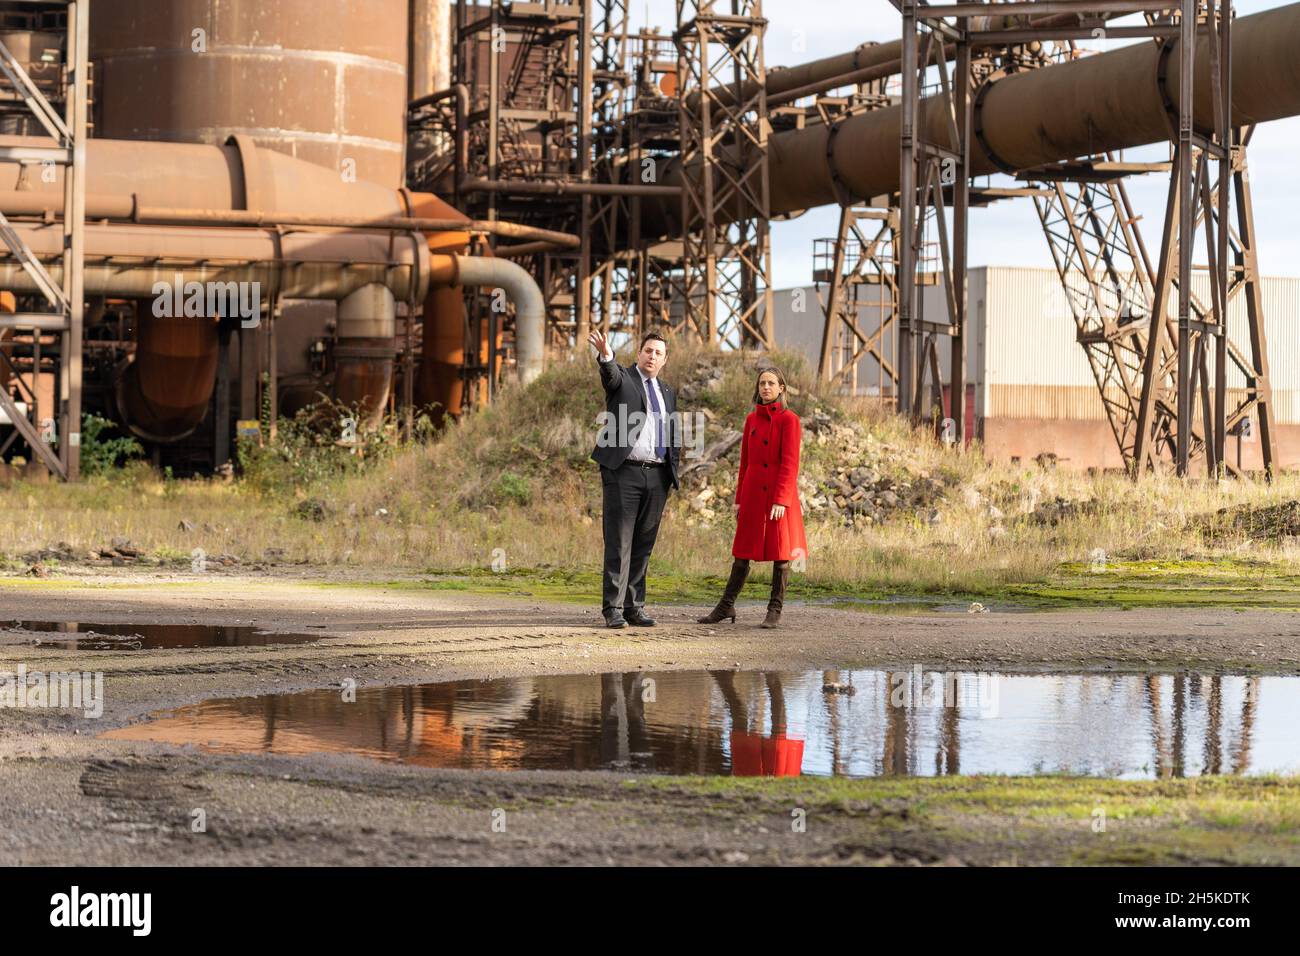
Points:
(164, 390)
(525, 249)
(440, 385)
(129, 260)
(459, 92)
(1110, 101)
(8, 306)
(565, 188)
(874, 61)
(128, 209)
(519, 286)
(814, 76)
(236, 176)
(363, 356)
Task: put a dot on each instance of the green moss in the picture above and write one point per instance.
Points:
(1232, 820)
(1228, 584)
(1225, 582)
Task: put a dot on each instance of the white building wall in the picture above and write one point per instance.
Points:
(1022, 353)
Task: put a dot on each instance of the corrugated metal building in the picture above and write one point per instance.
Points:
(1029, 381)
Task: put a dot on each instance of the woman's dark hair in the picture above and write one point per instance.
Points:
(780, 378)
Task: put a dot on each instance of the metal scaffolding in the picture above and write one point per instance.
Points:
(856, 277)
(1150, 365)
(61, 306)
(724, 288)
(569, 120)
(926, 169)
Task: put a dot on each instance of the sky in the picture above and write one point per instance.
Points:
(1005, 233)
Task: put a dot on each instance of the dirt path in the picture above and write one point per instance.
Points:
(104, 801)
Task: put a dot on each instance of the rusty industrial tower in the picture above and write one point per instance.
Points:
(439, 194)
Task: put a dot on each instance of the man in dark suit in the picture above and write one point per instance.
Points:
(638, 453)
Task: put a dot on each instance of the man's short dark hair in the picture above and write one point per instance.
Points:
(649, 337)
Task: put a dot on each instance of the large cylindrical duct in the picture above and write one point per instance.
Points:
(40, 52)
(430, 56)
(872, 61)
(322, 80)
(1110, 101)
(234, 176)
(164, 392)
(440, 384)
(363, 357)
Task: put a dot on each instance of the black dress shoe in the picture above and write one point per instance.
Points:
(615, 621)
(636, 618)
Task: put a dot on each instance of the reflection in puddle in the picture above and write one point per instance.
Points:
(778, 724)
(76, 636)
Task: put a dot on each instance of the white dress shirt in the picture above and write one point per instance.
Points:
(643, 449)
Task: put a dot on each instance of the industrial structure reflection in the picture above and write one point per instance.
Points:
(774, 724)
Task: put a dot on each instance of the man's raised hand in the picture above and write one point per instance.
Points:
(599, 342)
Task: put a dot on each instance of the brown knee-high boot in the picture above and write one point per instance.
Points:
(780, 578)
(727, 606)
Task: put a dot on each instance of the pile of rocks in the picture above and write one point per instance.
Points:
(876, 481)
(121, 552)
(705, 376)
(60, 552)
(1059, 508)
(1255, 523)
(705, 506)
(863, 494)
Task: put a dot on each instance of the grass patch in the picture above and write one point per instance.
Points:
(512, 486)
(1056, 819)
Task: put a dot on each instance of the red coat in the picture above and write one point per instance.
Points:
(769, 472)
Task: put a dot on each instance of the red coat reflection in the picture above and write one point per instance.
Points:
(753, 755)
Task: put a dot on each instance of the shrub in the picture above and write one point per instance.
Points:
(102, 449)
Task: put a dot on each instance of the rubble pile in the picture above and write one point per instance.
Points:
(871, 481)
(1255, 523)
(705, 376)
(846, 473)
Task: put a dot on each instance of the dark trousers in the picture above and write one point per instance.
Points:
(634, 499)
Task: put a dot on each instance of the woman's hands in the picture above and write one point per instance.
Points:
(777, 513)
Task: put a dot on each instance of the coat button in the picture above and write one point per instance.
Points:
(764, 464)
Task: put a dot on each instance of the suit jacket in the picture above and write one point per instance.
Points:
(624, 396)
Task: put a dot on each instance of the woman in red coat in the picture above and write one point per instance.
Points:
(769, 524)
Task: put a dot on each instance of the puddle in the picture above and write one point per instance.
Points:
(77, 636)
(751, 723)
